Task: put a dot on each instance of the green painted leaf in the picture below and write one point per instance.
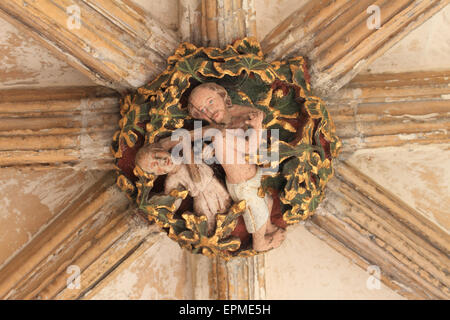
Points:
(210, 71)
(284, 71)
(229, 244)
(203, 228)
(286, 104)
(189, 234)
(283, 134)
(162, 200)
(216, 53)
(299, 79)
(278, 182)
(158, 82)
(235, 66)
(287, 150)
(313, 108)
(190, 66)
(247, 47)
(290, 166)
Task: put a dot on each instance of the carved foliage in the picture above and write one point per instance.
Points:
(281, 89)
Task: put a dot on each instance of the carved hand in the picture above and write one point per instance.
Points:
(256, 119)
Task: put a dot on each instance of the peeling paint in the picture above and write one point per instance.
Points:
(167, 10)
(31, 199)
(269, 13)
(23, 62)
(159, 273)
(426, 48)
(423, 117)
(418, 174)
(329, 275)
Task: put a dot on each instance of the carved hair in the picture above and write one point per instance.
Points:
(214, 87)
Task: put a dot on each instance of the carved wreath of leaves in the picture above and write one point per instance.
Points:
(281, 89)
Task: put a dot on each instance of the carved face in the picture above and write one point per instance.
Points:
(208, 104)
(157, 162)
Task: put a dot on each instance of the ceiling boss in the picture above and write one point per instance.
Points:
(224, 150)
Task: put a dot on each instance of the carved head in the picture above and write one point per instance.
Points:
(209, 102)
(155, 160)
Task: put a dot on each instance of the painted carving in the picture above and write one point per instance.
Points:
(209, 195)
(210, 102)
(262, 116)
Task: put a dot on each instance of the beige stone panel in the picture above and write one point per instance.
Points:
(345, 44)
(418, 174)
(269, 13)
(114, 43)
(157, 273)
(30, 199)
(25, 63)
(426, 48)
(305, 267)
(166, 12)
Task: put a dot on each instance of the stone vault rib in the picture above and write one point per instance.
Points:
(190, 21)
(383, 110)
(224, 21)
(113, 42)
(221, 23)
(234, 279)
(95, 233)
(373, 227)
(58, 127)
(334, 35)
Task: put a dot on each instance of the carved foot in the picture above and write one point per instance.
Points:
(269, 241)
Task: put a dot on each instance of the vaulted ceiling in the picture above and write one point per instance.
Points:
(387, 89)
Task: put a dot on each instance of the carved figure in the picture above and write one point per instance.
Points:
(209, 194)
(210, 102)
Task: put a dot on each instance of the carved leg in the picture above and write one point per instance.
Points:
(263, 241)
(271, 228)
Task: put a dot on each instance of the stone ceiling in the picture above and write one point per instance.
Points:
(414, 173)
